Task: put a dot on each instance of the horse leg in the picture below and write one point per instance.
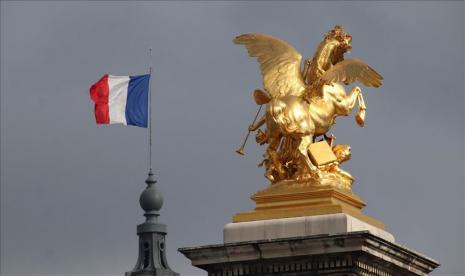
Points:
(361, 102)
(305, 141)
(361, 114)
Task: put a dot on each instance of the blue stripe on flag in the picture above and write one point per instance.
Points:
(137, 101)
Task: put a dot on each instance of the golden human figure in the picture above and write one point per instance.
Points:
(302, 106)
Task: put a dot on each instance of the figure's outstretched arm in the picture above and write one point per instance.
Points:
(257, 124)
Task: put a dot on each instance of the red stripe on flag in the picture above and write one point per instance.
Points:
(99, 92)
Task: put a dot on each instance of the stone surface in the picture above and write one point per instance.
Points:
(299, 227)
(352, 253)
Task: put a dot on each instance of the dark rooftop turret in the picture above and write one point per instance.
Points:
(152, 249)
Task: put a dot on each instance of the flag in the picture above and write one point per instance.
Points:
(121, 99)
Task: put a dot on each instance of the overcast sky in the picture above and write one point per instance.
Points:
(70, 188)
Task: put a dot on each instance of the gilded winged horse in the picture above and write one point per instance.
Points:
(303, 104)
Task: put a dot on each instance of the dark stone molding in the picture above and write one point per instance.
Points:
(354, 253)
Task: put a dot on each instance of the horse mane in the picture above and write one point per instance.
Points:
(328, 53)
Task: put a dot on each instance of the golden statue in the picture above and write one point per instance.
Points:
(302, 106)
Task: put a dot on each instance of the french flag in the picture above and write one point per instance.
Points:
(121, 99)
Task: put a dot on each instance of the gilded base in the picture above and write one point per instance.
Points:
(287, 199)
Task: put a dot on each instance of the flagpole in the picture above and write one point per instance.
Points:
(150, 109)
(152, 241)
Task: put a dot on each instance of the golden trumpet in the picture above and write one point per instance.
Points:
(260, 98)
(241, 149)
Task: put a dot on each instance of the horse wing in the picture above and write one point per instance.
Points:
(350, 70)
(279, 63)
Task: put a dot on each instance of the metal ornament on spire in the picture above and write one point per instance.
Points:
(152, 244)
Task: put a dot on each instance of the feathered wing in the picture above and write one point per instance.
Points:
(279, 63)
(350, 70)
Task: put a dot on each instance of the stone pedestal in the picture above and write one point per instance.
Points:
(299, 227)
(291, 198)
(352, 253)
(305, 229)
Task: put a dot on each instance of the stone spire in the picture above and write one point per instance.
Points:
(152, 257)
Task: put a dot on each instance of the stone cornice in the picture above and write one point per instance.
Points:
(359, 250)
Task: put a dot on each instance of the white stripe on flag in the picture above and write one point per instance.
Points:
(118, 86)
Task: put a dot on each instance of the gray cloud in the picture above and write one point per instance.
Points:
(69, 188)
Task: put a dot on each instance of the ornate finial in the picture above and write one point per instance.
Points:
(151, 199)
(150, 179)
(152, 247)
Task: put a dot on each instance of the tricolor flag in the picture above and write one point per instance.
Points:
(121, 99)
